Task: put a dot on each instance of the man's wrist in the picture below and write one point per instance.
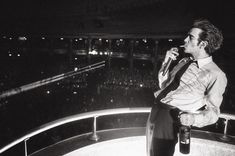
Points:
(163, 63)
(187, 119)
(198, 120)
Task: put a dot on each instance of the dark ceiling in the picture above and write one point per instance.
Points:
(150, 17)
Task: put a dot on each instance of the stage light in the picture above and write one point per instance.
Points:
(93, 52)
(22, 38)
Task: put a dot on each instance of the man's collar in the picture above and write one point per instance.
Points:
(203, 61)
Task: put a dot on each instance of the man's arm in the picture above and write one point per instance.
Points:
(161, 78)
(213, 100)
(170, 54)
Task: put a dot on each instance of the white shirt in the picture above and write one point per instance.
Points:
(203, 83)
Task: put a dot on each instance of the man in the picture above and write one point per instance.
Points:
(190, 94)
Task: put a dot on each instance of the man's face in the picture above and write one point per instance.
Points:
(191, 42)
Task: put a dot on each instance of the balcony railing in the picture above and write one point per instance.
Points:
(94, 115)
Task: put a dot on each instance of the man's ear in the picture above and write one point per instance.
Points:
(203, 44)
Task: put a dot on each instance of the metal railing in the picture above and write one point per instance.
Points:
(94, 115)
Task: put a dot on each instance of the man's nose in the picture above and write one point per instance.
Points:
(186, 39)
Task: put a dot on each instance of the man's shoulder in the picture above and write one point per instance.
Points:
(215, 70)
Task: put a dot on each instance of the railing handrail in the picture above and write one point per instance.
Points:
(86, 115)
(72, 118)
(227, 116)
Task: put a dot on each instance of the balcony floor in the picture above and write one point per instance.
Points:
(136, 146)
(131, 141)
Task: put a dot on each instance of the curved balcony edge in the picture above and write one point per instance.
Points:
(93, 114)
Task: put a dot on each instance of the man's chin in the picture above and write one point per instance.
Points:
(186, 51)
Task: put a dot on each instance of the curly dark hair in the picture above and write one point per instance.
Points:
(209, 33)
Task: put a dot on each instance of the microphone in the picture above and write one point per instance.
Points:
(168, 63)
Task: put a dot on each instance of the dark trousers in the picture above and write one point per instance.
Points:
(162, 129)
(163, 147)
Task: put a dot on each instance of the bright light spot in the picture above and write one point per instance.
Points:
(141, 85)
(76, 69)
(76, 40)
(18, 54)
(121, 39)
(80, 39)
(43, 38)
(10, 54)
(101, 53)
(93, 52)
(10, 38)
(75, 92)
(61, 38)
(75, 58)
(48, 92)
(22, 38)
(170, 40)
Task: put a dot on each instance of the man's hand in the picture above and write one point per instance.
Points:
(172, 53)
(187, 119)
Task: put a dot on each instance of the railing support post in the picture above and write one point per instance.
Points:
(94, 135)
(25, 147)
(225, 137)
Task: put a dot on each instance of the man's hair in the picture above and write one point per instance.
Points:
(209, 33)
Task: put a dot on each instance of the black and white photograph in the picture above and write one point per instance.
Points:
(117, 78)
